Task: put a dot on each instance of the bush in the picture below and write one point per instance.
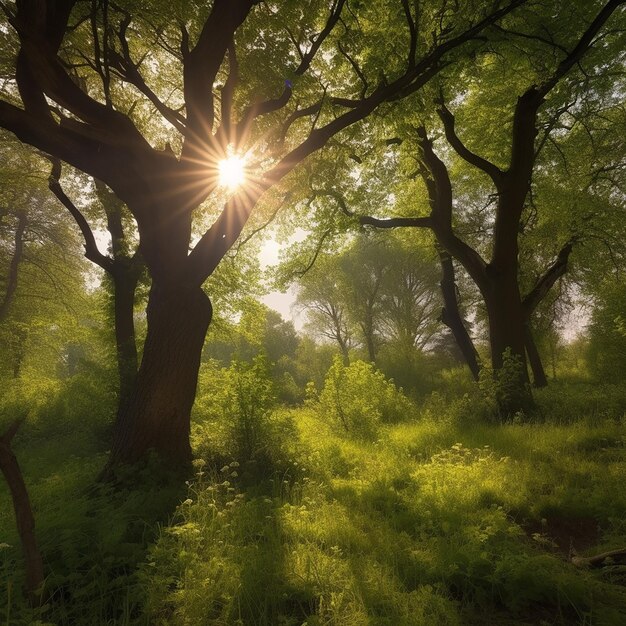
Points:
(236, 416)
(506, 391)
(358, 398)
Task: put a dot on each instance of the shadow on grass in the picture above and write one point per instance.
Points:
(266, 596)
(92, 537)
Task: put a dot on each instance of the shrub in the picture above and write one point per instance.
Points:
(236, 417)
(505, 390)
(358, 398)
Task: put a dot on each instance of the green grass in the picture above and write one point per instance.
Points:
(433, 523)
(440, 520)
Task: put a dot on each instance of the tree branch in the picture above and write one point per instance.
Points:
(203, 61)
(129, 72)
(318, 249)
(228, 91)
(91, 248)
(412, 33)
(448, 121)
(307, 57)
(585, 42)
(437, 180)
(547, 280)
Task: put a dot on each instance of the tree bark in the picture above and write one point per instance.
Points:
(370, 344)
(534, 359)
(507, 341)
(451, 316)
(124, 286)
(18, 349)
(24, 517)
(344, 350)
(157, 416)
(16, 259)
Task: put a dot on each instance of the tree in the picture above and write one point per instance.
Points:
(382, 290)
(320, 293)
(365, 266)
(451, 314)
(498, 279)
(41, 274)
(124, 268)
(72, 63)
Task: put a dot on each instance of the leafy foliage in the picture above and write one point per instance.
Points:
(358, 399)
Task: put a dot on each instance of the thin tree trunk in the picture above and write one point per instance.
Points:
(158, 414)
(368, 336)
(344, 351)
(24, 517)
(451, 316)
(18, 349)
(16, 259)
(534, 359)
(124, 286)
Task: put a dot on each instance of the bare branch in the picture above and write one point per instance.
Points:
(318, 249)
(129, 72)
(91, 247)
(309, 55)
(549, 277)
(448, 120)
(356, 68)
(585, 42)
(271, 218)
(412, 32)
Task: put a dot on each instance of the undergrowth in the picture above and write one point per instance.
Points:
(435, 517)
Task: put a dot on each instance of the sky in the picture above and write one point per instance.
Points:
(283, 302)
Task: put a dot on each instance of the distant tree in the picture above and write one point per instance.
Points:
(320, 294)
(606, 351)
(41, 274)
(376, 291)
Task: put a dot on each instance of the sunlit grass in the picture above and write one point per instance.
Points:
(432, 523)
(439, 519)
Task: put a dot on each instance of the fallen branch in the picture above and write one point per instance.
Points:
(24, 517)
(612, 557)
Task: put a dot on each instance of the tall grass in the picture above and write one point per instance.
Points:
(436, 517)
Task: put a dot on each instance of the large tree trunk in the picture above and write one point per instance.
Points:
(451, 316)
(507, 337)
(158, 413)
(534, 359)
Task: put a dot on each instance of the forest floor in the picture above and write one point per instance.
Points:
(435, 521)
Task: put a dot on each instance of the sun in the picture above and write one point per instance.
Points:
(232, 172)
